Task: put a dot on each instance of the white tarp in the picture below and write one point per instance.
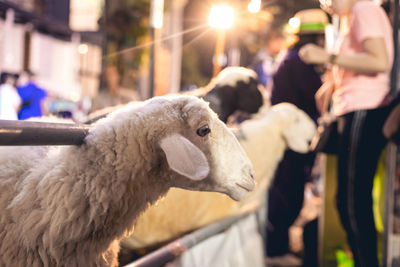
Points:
(56, 65)
(84, 14)
(11, 47)
(241, 245)
(90, 65)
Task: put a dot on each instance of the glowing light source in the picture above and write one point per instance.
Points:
(329, 38)
(221, 17)
(156, 13)
(294, 23)
(325, 2)
(83, 49)
(326, 5)
(254, 6)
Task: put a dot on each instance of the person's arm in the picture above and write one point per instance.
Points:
(373, 60)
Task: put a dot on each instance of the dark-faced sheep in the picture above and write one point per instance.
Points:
(233, 89)
(70, 206)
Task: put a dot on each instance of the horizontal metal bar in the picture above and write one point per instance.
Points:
(174, 249)
(28, 133)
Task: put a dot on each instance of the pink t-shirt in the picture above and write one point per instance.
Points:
(361, 91)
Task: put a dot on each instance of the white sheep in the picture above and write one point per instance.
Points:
(265, 139)
(70, 206)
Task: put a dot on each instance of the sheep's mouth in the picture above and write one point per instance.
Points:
(244, 187)
(240, 190)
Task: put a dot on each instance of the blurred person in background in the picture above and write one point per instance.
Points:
(265, 62)
(360, 101)
(10, 102)
(295, 82)
(32, 96)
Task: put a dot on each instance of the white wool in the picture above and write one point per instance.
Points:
(230, 76)
(265, 140)
(70, 206)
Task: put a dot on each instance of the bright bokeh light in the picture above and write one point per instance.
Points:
(83, 49)
(157, 13)
(254, 6)
(221, 17)
(294, 23)
(329, 38)
(326, 5)
(325, 2)
(85, 14)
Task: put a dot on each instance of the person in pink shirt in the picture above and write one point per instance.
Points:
(360, 100)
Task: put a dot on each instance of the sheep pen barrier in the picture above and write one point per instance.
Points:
(29, 133)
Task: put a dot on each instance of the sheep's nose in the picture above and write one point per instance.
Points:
(249, 173)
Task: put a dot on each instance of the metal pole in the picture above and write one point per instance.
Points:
(176, 43)
(395, 71)
(152, 59)
(28, 133)
(156, 22)
(390, 175)
(391, 239)
(219, 51)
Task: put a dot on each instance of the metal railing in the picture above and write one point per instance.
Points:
(28, 133)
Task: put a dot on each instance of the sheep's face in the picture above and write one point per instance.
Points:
(250, 98)
(298, 128)
(235, 89)
(204, 155)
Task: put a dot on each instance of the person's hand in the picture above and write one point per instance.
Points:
(313, 54)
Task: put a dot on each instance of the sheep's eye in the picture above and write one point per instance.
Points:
(203, 131)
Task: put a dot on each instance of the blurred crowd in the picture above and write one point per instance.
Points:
(344, 76)
(20, 97)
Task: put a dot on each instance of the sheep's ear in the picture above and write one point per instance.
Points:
(184, 157)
